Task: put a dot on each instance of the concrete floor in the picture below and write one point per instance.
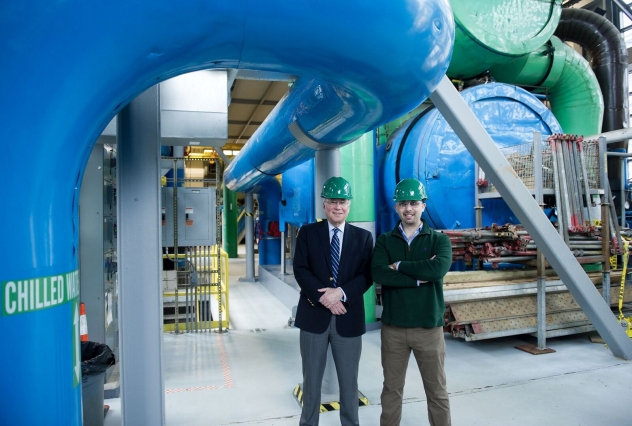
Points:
(246, 376)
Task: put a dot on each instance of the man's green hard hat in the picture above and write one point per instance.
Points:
(410, 189)
(336, 187)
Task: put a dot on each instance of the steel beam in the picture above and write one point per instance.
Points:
(140, 262)
(485, 152)
(613, 136)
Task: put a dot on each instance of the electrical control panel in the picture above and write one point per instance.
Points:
(196, 217)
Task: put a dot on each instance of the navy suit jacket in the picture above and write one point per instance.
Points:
(312, 270)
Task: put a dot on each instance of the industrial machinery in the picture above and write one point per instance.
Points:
(492, 291)
(426, 148)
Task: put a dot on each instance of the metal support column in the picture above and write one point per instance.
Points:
(327, 164)
(539, 198)
(606, 232)
(541, 301)
(478, 206)
(291, 231)
(139, 247)
(485, 152)
(622, 191)
(605, 249)
(250, 241)
(282, 253)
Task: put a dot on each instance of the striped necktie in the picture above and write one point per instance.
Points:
(335, 255)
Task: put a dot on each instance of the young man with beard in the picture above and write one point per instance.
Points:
(410, 262)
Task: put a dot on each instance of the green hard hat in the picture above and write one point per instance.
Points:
(410, 189)
(336, 187)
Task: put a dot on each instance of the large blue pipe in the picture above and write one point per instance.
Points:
(329, 107)
(68, 67)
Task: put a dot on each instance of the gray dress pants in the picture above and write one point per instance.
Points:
(346, 353)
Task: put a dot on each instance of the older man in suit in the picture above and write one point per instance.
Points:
(332, 266)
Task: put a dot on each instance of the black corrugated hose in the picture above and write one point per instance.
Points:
(609, 60)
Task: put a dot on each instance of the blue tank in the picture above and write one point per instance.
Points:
(297, 199)
(268, 233)
(427, 148)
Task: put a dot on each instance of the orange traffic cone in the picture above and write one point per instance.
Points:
(83, 323)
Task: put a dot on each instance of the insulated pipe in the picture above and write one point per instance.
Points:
(85, 73)
(576, 99)
(356, 165)
(496, 32)
(331, 110)
(609, 59)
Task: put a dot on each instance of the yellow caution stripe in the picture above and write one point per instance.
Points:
(328, 406)
(625, 322)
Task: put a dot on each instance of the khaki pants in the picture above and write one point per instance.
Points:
(428, 346)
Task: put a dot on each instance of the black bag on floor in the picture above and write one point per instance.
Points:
(95, 358)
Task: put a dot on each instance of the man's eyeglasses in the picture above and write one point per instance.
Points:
(408, 203)
(337, 202)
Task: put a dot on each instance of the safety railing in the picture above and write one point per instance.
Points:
(201, 303)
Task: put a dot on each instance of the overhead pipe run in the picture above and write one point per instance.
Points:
(330, 111)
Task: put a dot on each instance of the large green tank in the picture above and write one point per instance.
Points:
(493, 32)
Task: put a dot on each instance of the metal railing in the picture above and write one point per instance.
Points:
(202, 292)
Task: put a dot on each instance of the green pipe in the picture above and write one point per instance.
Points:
(573, 89)
(356, 165)
(230, 223)
(494, 32)
(385, 131)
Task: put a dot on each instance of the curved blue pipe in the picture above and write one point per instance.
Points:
(68, 67)
(414, 44)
